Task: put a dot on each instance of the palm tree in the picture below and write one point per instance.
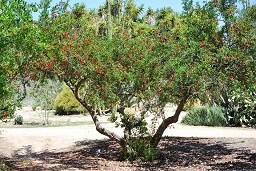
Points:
(132, 10)
(116, 9)
(150, 16)
(165, 19)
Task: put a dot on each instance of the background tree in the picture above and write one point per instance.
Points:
(16, 24)
(150, 16)
(132, 11)
(165, 19)
(43, 95)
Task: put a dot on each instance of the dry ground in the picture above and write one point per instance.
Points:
(74, 147)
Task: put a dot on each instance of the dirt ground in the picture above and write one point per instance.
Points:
(76, 147)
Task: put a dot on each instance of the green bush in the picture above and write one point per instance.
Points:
(139, 148)
(241, 110)
(18, 120)
(66, 103)
(206, 116)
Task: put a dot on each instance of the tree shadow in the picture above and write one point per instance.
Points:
(174, 154)
(207, 152)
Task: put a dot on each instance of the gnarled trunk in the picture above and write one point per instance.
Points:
(104, 131)
(166, 122)
(93, 112)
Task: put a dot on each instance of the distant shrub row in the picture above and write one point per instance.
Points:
(239, 111)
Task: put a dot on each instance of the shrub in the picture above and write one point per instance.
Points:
(139, 148)
(44, 94)
(66, 103)
(241, 110)
(18, 120)
(206, 116)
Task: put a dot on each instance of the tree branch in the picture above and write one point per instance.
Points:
(166, 122)
(104, 131)
(24, 94)
(94, 116)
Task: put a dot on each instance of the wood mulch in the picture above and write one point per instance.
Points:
(175, 153)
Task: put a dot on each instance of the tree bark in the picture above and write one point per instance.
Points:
(166, 122)
(104, 131)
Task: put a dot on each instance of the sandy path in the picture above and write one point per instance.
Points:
(28, 140)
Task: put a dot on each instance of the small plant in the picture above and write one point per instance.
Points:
(139, 148)
(4, 166)
(206, 116)
(43, 95)
(18, 120)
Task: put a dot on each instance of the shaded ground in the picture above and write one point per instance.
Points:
(75, 147)
(175, 153)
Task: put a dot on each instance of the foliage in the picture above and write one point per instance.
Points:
(139, 148)
(206, 116)
(44, 95)
(18, 120)
(192, 103)
(241, 110)
(7, 111)
(14, 18)
(4, 166)
(66, 103)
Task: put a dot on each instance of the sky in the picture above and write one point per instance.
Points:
(91, 4)
(154, 4)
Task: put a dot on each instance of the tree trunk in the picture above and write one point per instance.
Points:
(166, 122)
(104, 131)
(93, 112)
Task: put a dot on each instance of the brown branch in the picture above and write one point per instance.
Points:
(24, 94)
(104, 131)
(77, 86)
(166, 122)
(93, 114)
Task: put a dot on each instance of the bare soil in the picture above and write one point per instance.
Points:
(76, 147)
